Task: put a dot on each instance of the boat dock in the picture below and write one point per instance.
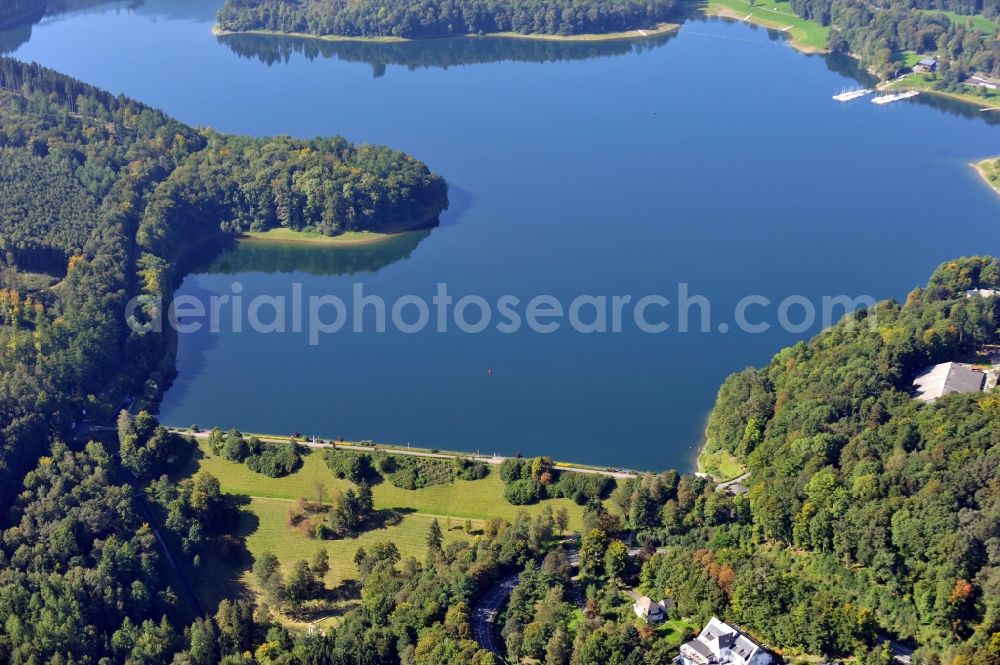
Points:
(889, 99)
(851, 95)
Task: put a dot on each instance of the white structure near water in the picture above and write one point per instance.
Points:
(721, 644)
(945, 379)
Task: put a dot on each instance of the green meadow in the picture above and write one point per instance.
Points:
(975, 21)
(460, 500)
(806, 35)
(265, 502)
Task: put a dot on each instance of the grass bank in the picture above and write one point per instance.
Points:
(806, 36)
(989, 170)
(978, 97)
(659, 29)
(720, 465)
(289, 236)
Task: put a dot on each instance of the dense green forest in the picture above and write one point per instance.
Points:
(106, 195)
(409, 19)
(863, 498)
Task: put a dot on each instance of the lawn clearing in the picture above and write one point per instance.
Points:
(720, 465)
(284, 235)
(263, 525)
(974, 21)
(989, 169)
(460, 500)
(806, 35)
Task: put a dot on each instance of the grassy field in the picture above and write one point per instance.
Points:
(283, 235)
(675, 629)
(805, 35)
(977, 22)
(989, 169)
(460, 500)
(720, 465)
(979, 97)
(263, 527)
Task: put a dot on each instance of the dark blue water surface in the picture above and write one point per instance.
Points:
(714, 158)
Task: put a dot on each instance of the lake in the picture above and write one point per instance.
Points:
(713, 158)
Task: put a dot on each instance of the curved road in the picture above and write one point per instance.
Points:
(484, 615)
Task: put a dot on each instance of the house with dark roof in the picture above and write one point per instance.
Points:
(736, 489)
(945, 379)
(721, 644)
(925, 65)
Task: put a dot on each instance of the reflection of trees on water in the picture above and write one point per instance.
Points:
(960, 108)
(12, 39)
(17, 17)
(444, 53)
(270, 257)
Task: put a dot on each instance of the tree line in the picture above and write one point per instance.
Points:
(423, 18)
(278, 49)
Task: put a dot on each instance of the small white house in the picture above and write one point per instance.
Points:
(721, 644)
(982, 293)
(651, 612)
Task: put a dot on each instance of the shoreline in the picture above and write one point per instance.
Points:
(638, 33)
(983, 168)
(716, 9)
(289, 237)
(713, 9)
(413, 451)
(924, 86)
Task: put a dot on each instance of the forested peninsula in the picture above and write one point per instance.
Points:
(103, 196)
(419, 19)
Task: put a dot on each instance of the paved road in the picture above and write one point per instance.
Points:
(494, 459)
(186, 591)
(484, 615)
